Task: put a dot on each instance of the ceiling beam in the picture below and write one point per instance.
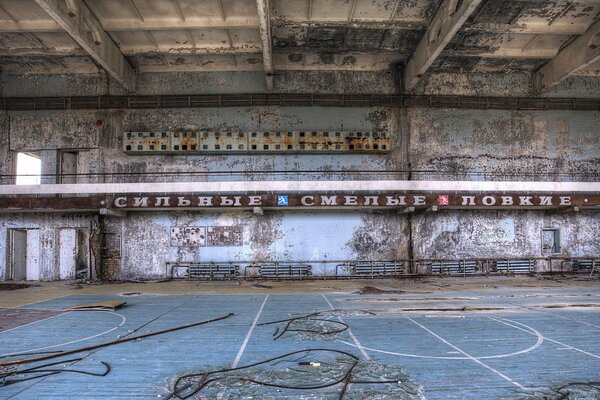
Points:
(87, 31)
(539, 28)
(39, 25)
(55, 52)
(117, 25)
(582, 52)
(200, 68)
(535, 53)
(135, 24)
(449, 18)
(265, 37)
(189, 50)
(131, 24)
(45, 69)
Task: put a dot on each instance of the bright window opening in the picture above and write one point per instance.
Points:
(29, 169)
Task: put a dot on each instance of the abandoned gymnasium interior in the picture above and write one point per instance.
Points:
(300, 199)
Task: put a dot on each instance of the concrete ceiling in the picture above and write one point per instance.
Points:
(225, 35)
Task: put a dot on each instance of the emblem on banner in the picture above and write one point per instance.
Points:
(282, 200)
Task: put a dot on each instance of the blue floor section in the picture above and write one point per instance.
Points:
(484, 354)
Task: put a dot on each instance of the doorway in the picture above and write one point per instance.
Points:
(23, 255)
(68, 166)
(73, 253)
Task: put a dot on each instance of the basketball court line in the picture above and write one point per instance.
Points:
(354, 339)
(550, 340)
(540, 340)
(470, 357)
(123, 320)
(42, 301)
(548, 312)
(238, 357)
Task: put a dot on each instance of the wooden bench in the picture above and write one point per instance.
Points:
(585, 265)
(513, 266)
(214, 271)
(210, 271)
(376, 269)
(453, 267)
(285, 271)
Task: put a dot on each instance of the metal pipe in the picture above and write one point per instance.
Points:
(296, 100)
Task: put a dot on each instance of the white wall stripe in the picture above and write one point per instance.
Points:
(304, 186)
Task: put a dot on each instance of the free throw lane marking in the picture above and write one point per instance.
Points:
(528, 329)
(245, 343)
(123, 320)
(354, 339)
(546, 338)
(500, 374)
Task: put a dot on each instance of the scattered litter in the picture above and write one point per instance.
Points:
(311, 363)
(337, 375)
(261, 286)
(396, 310)
(131, 294)
(100, 306)
(567, 305)
(416, 299)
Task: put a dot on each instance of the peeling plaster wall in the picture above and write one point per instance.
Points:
(455, 141)
(504, 145)
(510, 85)
(490, 234)
(5, 154)
(272, 236)
(382, 82)
(103, 146)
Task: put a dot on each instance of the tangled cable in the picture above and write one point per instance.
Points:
(311, 324)
(41, 371)
(9, 369)
(303, 375)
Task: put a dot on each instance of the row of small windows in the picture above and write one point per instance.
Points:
(264, 147)
(255, 134)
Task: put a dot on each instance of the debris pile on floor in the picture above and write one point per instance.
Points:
(99, 306)
(570, 391)
(319, 325)
(376, 290)
(14, 286)
(304, 374)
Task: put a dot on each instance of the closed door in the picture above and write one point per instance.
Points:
(67, 253)
(33, 255)
(24, 254)
(18, 255)
(68, 167)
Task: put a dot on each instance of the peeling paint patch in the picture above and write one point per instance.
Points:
(382, 236)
